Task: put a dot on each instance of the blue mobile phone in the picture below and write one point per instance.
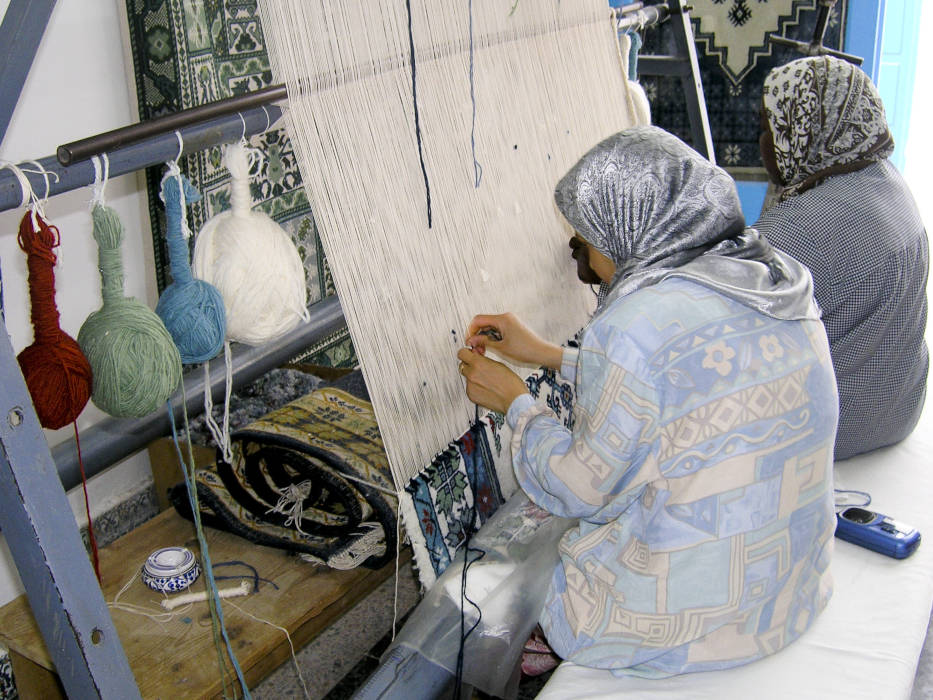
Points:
(877, 532)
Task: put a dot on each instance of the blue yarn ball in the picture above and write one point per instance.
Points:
(193, 313)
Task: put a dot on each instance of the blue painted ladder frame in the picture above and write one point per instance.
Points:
(35, 515)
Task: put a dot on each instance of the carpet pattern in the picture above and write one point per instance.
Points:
(735, 55)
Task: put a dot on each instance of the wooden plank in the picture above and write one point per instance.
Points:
(166, 472)
(35, 681)
(177, 658)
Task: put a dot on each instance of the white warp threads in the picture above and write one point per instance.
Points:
(548, 86)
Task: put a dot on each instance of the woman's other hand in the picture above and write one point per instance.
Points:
(489, 383)
(510, 338)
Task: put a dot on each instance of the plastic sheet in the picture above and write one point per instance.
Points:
(511, 561)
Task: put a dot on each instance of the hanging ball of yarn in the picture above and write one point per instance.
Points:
(191, 309)
(57, 373)
(134, 359)
(253, 262)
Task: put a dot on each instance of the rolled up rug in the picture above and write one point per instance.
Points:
(310, 477)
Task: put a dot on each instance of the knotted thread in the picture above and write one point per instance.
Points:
(253, 262)
(192, 309)
(134, 359)
(57, 373)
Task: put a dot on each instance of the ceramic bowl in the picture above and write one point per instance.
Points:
(170, 569)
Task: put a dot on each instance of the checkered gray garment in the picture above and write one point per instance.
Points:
(862, 238)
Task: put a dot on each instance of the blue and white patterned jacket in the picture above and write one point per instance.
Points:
(700, 465)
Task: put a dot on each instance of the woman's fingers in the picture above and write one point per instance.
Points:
(489, 383)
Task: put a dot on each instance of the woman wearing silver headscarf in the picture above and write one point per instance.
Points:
(699, 463)
(845, 212)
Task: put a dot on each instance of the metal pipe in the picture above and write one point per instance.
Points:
(113, 439)
(118, 138)
(810, 49)
(642, 17)
(152, 151)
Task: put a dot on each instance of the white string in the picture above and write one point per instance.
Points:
(38, 205)
(408, 291)
(268, 119)
(173, 170)
(156, 616)
(181, 146)
(243, 122)
(291, 503)
(24, 185)
(221, 434)
(101, 175)
(290, 645)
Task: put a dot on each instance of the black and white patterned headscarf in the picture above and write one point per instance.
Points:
(657, 208)
(826, 118)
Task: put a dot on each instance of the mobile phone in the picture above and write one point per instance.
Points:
(877, 532)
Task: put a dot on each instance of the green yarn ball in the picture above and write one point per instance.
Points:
(135, 363)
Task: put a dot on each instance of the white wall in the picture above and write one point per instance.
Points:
(919, 152)
(78, 86)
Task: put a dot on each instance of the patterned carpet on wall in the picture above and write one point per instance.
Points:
(735, 55)
(186, 54)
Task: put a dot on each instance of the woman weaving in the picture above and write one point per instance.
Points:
(700, 459)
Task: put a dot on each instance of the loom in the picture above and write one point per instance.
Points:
(446, 209)
(114, 439)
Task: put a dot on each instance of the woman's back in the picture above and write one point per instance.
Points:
(703, 445)
(862, 238)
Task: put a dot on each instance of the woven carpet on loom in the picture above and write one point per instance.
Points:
(186, 54)
(735, 56)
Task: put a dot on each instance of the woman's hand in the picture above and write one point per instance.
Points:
(511, 339)
(489, 383)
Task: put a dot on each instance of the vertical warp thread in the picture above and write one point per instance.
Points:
(475, 428)
(414, 97)
(545, 60)
(477, 168)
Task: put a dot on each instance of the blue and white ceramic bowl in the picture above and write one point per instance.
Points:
(170, 569)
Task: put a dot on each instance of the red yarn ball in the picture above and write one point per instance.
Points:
(58, 377)
(57, 373)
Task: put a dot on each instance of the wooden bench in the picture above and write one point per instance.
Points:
(178, 658)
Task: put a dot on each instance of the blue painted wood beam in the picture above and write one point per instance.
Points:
(43, 538)
(20, 34)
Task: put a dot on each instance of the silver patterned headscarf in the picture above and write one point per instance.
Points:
(657, 208)
(826, 118)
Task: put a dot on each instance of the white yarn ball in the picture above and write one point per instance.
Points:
(253, 262)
